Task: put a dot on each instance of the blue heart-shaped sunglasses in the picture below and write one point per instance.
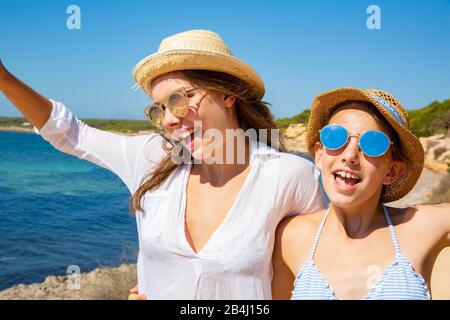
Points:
(373, 143)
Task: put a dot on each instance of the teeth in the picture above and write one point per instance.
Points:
(186, 133)
(347, 175)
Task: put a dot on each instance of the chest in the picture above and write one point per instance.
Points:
(209, 206)
(352, 274)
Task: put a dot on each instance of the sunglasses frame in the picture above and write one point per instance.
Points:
(160, 106)
(359, 136)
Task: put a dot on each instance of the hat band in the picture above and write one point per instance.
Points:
(389, 108)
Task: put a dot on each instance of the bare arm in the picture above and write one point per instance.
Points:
(445, 210)
(283, 278)
(31, 104)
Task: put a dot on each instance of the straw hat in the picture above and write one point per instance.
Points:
(194, 50)
(395, 114)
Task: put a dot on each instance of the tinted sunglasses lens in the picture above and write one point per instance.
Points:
(374, 143)
(156, 115)
(178, 104)
(333, 137)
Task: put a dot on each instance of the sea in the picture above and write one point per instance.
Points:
(58, 213)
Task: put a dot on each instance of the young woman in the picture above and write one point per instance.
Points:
(206, 228)
(358, 247)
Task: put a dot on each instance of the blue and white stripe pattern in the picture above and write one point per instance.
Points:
(389, 108)
(398, 282)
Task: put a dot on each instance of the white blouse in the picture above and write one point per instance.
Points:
(235, 263)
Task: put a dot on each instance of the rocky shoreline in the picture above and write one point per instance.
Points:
(99, 284)
(16, 129)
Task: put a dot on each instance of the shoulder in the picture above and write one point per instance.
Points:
(431, 217)
(423, 212)
(299, 230)
(292, 166)
(297, 161)
(299, 224)
(437, 213)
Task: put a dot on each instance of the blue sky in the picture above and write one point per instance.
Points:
(300, 48)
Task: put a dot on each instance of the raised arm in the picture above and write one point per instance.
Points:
(129, 157)
(31, 104)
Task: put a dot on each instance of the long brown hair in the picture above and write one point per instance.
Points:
(252, 113)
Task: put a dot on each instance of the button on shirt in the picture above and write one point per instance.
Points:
(235, 263)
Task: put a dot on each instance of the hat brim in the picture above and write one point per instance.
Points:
(411, 148)
(158, 64)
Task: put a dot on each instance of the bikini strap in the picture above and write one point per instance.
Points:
(392, 231)
(316, 240)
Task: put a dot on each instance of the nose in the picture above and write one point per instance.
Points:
(352, 151)
(170, 122)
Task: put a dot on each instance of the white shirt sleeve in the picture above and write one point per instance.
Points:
(115, 152)
(305, 190)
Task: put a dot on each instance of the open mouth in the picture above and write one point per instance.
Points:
(187, 136)
(346, 179)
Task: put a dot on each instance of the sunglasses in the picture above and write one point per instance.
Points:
(177, 102)
(373, 143)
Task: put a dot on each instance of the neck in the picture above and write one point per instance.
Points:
(219, 173)
(358, 220)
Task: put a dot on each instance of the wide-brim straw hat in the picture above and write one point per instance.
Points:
(195, 50)
(411, 148)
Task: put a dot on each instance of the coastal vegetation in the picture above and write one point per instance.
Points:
(429, 120)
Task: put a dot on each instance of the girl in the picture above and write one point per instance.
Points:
(360, 248)
(205, 228)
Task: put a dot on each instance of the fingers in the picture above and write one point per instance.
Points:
(134, 290)
(137, 297)
(134, 294)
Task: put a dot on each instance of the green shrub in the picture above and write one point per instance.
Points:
(430, 120)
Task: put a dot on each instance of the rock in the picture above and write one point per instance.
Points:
(294, 138)
(437, 152)
(100, 284)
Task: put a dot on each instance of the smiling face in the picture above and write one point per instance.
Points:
(213, 110)
(350, 178)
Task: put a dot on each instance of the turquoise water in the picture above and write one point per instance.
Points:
(57, 210)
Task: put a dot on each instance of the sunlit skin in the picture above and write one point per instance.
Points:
(355, 246)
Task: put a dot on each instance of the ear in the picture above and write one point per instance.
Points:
(395, 171)
(318, 153)
(229, 100)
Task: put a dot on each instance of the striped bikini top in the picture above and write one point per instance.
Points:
(398, 282)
